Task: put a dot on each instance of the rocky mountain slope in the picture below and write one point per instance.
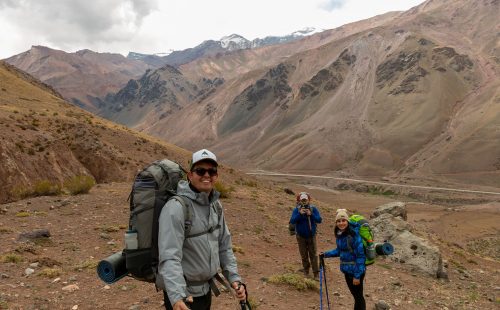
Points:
(45, 138)
(80, 77)
(405, 95)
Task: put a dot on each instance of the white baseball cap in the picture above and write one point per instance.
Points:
(203, 154)
(304, 196)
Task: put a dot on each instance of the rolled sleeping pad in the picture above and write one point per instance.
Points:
(112, 268)
(384, 248)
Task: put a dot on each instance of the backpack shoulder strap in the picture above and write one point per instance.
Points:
(188, 214)
(218, 208)
(350, 241)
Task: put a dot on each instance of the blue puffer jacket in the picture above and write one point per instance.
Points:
(301, 222)
(351, 262)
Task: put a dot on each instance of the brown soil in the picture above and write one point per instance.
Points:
(87, 228)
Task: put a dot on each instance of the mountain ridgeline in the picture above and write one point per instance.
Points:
(405, 95)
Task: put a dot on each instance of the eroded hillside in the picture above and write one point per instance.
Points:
(46, 138)
(405, 96)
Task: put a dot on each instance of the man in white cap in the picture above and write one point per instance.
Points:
(189, 261)
(305, 217)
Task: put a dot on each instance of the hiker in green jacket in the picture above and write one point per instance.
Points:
(188, 264)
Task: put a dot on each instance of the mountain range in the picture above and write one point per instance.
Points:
(228, 43)
(402, 95)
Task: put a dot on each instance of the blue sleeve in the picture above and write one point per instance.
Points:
(316, 216)
(332, 253)
(295, 216)
(359, 252)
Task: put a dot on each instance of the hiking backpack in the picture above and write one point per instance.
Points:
(367, 236)
(152, 188)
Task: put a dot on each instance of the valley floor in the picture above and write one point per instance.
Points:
(87, 228)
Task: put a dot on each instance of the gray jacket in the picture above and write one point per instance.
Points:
(194, 259)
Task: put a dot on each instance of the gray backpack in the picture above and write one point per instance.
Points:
(152, 188)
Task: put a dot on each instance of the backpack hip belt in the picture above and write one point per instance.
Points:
(211, 282)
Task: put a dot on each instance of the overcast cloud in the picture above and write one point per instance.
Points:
(153, 26)
(331, 5)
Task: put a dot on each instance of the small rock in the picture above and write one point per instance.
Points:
(28, 271)
(111, 243)
(106, 287)
(35, 234)
(4, 276)
(72, 279)
(34, 265)
(70, 288)
(382, 305)
(105, 236)
(56, 280)
(75, 307)
(134, 307)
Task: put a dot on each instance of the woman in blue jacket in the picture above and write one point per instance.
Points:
(352, 256)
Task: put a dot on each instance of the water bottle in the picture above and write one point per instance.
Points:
(370, 251)
(131, 242)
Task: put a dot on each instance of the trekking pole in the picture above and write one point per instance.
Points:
(322, 264)
(320, 287)
(244, 304)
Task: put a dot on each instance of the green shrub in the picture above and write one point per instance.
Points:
(238, 249)
(11, 258)
(86, 264)
(22, 214)
(80, 184)
(297, 281)
(50, 272)
(223, 189)
(46, 188)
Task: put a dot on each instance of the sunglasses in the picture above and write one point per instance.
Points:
(201, 171)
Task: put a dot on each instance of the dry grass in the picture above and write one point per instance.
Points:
(296, 281)
(11, 258)
(50, 273)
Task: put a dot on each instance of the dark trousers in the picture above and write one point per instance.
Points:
(199, 303)
(356, 291)
(308, 253)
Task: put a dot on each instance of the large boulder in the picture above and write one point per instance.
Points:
(389, 223)
(388, 227)
(397, 208)
(417, 253)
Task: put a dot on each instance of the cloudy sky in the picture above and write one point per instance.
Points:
(155, 26)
